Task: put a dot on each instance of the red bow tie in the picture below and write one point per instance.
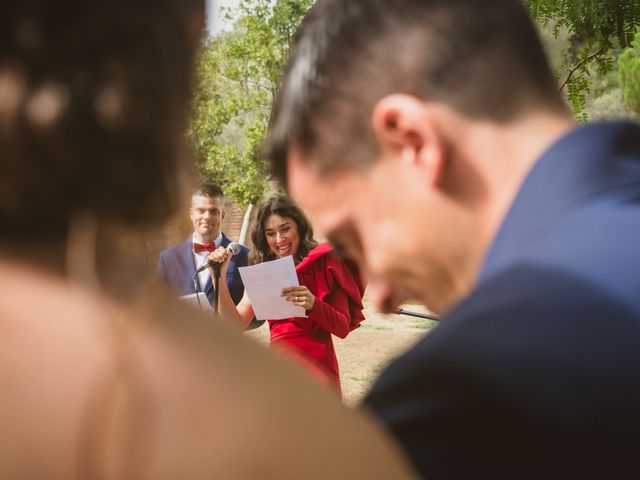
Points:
(204, 247)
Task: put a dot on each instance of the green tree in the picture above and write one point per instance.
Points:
(237, 77)
(597, 28)
(629, 71)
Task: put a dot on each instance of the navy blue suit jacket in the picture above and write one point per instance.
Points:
(177, 268)
(536, 374)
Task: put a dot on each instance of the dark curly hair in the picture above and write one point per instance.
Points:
(283, 206)
(94, 98)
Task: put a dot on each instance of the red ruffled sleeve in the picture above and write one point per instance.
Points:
(338, 288)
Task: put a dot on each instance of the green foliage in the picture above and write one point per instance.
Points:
(597, 28)
(237, 77)
(238, 73)
(607, 106)
(629, 71)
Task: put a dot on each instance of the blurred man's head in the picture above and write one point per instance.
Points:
(207, 211)
(383, 123)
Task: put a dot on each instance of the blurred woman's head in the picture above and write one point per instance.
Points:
(93, 103)
(281, 229)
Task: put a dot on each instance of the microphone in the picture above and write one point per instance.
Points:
(233, 248)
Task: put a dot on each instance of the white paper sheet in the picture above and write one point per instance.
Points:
(193, 300)
(264, 283)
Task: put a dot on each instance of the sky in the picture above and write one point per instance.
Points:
(215, 24)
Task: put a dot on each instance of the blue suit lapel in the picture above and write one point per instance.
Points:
(208, 288)
(186, 257)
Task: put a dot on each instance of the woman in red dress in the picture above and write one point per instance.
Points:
(330, 289)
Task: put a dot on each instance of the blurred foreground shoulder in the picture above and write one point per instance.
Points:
(257, 416)
(160, 390)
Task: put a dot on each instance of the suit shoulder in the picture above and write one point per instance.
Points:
(177, 248)
(525, 316)
(515, 357)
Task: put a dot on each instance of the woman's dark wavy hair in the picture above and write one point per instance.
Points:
(283, 206)
(94, 98)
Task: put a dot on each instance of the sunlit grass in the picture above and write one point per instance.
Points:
(424, 324)
(383, 328)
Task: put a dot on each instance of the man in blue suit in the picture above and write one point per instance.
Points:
(177, 265)
(428, 140)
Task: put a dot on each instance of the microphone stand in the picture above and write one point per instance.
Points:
(196, 288)
(234, 248)
(401, 311)
(216, 283)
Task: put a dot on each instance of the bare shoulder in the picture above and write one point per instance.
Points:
(254, 415)
(160, 390)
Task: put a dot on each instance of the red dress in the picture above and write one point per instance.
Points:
(337, 310)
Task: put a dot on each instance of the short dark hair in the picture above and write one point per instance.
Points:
(98, 96)
(283, 206)
(481, 57)
(209, 189)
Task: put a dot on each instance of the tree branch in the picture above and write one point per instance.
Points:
(581, 63)
(247, 81)
(258, 84)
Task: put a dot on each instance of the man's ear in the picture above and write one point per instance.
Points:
(404, 125)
